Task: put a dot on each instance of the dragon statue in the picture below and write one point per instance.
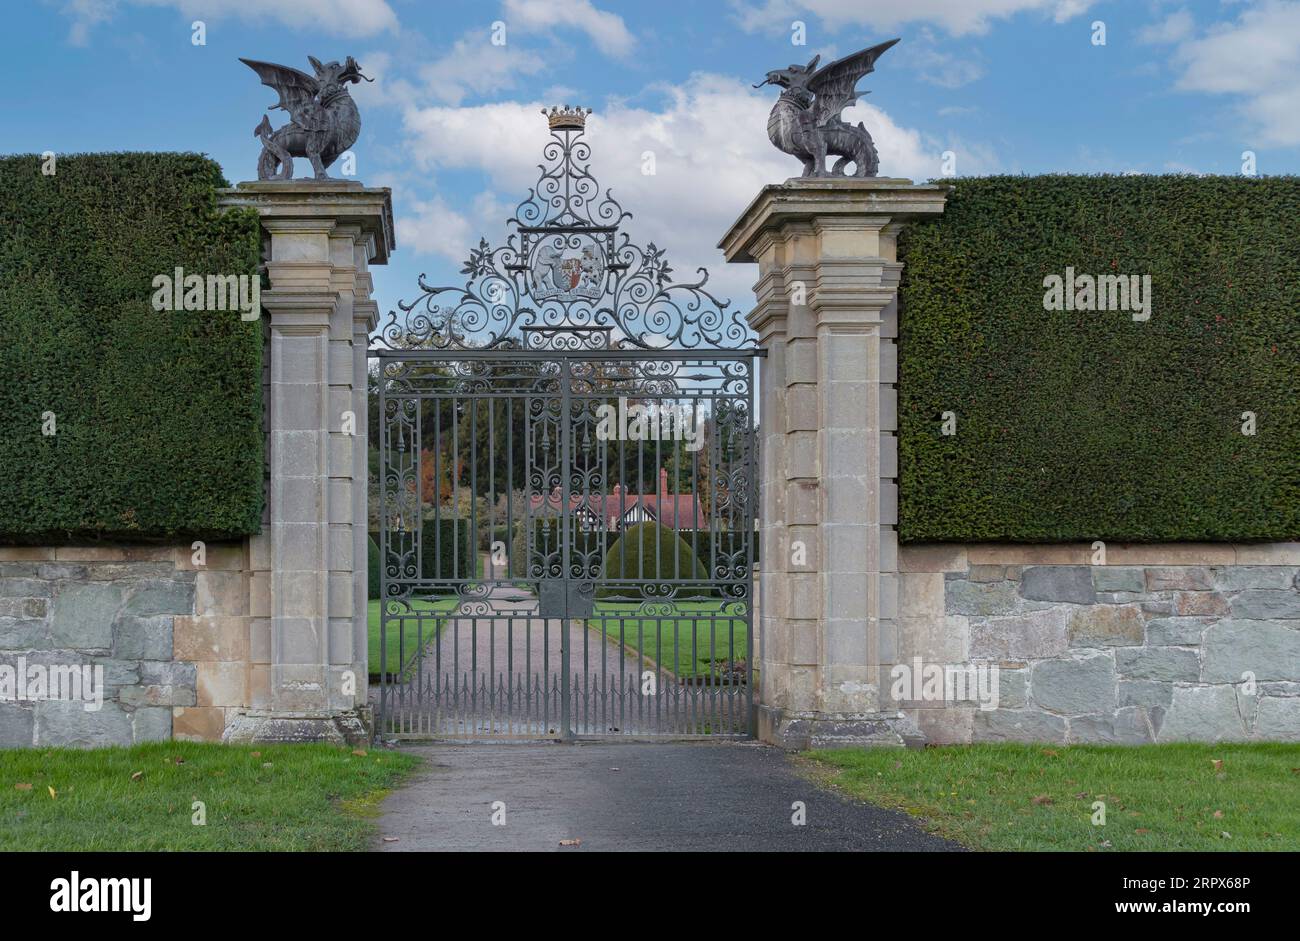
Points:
(323, 118)
(806, 122)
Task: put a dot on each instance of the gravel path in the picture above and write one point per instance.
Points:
(496, 671)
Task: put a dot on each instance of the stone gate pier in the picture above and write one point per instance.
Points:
(827, 313)
(306, 662)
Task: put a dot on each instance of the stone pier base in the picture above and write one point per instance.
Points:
(338, 728)
(803, 730)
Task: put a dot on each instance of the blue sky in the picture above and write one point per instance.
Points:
(452, 123)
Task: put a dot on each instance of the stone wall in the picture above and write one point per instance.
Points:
(1161, 643)
(140, 613)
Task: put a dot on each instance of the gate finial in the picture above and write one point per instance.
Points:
(566, 116)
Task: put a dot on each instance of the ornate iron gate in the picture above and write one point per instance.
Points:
(567, 486)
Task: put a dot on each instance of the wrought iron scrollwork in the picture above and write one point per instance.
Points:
(567, 277)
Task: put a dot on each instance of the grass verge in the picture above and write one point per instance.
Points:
(268, 797)
(406, 635)
(1174, 797)
(685, 643)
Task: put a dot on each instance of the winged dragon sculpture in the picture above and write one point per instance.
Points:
(323, 118)
(806, 121)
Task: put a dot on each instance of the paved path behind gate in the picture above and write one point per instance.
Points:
(663, 797)
(514, 651)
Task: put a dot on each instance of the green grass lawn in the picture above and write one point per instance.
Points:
(700, 624)
(1040, 797)
(269, 797)
(414, 629)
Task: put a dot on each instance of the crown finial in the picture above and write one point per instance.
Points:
(566, 116)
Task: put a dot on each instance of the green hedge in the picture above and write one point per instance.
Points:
(159, 424)
(650, 554)
(1081, 426)
(448, 549)
(372, 567)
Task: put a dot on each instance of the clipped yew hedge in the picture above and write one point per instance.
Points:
(158, 415)
(645, 557)
(1089, 425)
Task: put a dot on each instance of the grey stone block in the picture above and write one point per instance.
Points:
(1268, 649)
(1117, 578)
(1077, 686)
(118, 672)
(157, 696)
(1278, 719)
(17, 722)
(24, 608)
(152, 724)
(1013, 689)
(1144, 693)
(68, 723)
(1180, 632)
(1179, 578)
(1205, 714)
(1031, 636)
(1106, 626)
(169, 596)
(1017, 725)
(1069, 583)
(83, 614)
(1266, 605)
(22, 634)
(1159, 609)
(168, 673)
(1171, 664)
(1241, 577)
(24, 588)
(1125, 727)
(980, 598)
(57, 570)
(137, 638)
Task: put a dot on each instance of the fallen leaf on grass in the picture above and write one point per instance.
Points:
(22, 787)
(1218, 815)
(359, 752)
(1141, 830)
(1048, 751)
(1218, 763)
(1042, 799)
(53, 792)
(255, 754)
(137, 776)
(571, 842)
(267, 764)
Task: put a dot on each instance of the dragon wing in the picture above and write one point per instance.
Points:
(834, 84)
(297, 92)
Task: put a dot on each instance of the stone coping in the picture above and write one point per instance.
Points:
(803, 199)
(940, 557)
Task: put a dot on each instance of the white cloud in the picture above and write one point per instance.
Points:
(711, 156)
(432, 227)
(475, 66)
(607, 31)
(958, 17)
(1174, 28)
(1256, 58)
(337, 17)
